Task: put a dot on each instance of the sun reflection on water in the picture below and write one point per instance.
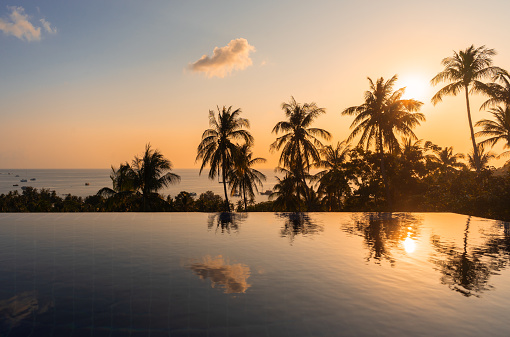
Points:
(409, 245)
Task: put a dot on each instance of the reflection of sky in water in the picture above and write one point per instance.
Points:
(21, 307)
(232, 277)
(323, 274)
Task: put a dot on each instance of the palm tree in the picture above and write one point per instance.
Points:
(286, 193)
(299, 143)
(497, 130)
(445, 161)
(122, 181)
(383, 114)
(333, 181)
(219, 144)
(484, 158)
(152, 174)
(464, 70)
(243, 177)
(498, 93)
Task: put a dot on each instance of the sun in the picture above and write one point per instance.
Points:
(417, 87)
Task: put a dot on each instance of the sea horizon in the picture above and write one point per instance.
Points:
(86, 182)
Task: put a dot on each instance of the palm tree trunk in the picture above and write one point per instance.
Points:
(383, 172)
(227, 204)
(244, 197)
(476, 157)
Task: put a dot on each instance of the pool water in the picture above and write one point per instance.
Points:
(257, 274)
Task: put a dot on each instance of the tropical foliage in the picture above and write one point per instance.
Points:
(220, 144)
(382, 115)
(300, 143)
(381, 166)
(465, 70)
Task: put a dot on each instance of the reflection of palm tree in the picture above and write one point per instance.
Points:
(225, 221)
(152, 174)
(464, 70)
(463, 272)
(383, 232)
(298, 224)
(333, 181)
(497, 130)
(384, 113)
(299, 143)
(217, 147)
(243, 176)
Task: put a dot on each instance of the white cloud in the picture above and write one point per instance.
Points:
(234, 56)
(18, 24)
(47, 27)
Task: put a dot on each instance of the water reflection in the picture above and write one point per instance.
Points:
(225, 222)
(232, 277)
(383, 232)
(23, 306)
(467, 269)
(298, 224)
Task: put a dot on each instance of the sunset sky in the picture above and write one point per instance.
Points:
(86, 84)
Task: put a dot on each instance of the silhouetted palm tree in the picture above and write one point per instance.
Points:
(334, 180)
(152, 174)
(497, 130)
(499, 93)
(243, 177)
(464, 70)
(485, 157)
(445, 160)
(122, 181)
(299, 143)
(383, 114)
(286, 193)
(218, 145)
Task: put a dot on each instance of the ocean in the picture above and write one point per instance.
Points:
(73, 181)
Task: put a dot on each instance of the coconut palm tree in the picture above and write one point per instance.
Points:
(498, 91)
(219, 144)
(464, 70)
(485, 157)
(286, 193)
(122, 181)
(445, 161)
(497, 130)
(384, 114)
(299, 143)
(243, 177)
(152, 173)
(333, 181)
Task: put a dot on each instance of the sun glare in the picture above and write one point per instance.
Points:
(416, 88)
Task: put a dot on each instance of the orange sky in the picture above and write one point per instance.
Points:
(104, 80)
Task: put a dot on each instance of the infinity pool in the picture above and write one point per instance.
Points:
(260, 274)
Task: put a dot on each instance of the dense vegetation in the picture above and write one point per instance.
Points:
(388, 169)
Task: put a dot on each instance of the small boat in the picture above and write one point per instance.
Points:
(32, 179)
(87, 184)
(23, 180)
